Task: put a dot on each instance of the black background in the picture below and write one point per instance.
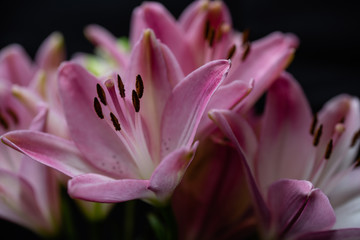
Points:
(326, 63)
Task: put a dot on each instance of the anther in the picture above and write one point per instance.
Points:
(329, 149)
(98, 109)
(139, 84)
(115, 122)
(121, 86)
(245, 36)
(13, 115)
(313, 124)
(246, 51)
(231, 52)
(317, 135)
(136, 101)
(355, 138)
(3, 122)
(101, 94)
(206, 29)
(211, 36)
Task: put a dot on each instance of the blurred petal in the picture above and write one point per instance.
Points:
(99, 188)
(51, 52)
(190, 98)
(50, 150)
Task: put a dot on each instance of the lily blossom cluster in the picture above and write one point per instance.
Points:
(168, 118)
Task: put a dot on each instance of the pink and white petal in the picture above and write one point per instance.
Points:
(267, 59)
(286, 198)
(153, 15)
(101, 37)
(15, 65)
(51, 52)
(189, 15)
(19, 203)
(233, 132)
(50, 150)
(170, 171)
(94, 137)
(186, 105)
(99, 188)
(297, 208)
(225, 97)
(340, 234)
(241, 130)
(340, 120)
(317, 215)
(285, 131)
(345, 198)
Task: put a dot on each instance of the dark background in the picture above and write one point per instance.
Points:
(326, 63)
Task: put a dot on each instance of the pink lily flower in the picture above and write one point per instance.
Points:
(290, 144)
(204, 33)
(29, 193)
(135, 132)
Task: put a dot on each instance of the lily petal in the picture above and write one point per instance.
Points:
(227, 123)
(19, 195)
(286, 126)
(108, 152)
(267, 59)
(50, 150)
(170, 171)
(298, 208)
(156, 17)
(15, 65)
(104, 39)
(160, 72)
(51, 52)
(225, 97)
(341, 234)
(190, 98)
(99, 188)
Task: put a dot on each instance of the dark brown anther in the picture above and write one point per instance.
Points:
(101, 94)
(329, 149)
(247, 48)
(139, 86)
(317, 135)
(115, 122)
(206, 29)
(342, 120)
(98, 109)
(357, 162)
(136, 101)
(231, 52)
(121, 86)
(355, 138)
(245, 36)
(211, 36)
(13, 115)
(313, 124)
(3, 122)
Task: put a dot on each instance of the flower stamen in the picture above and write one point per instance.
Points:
(135, 101)
(101, 94)
(355, 138)
(231, 52)
(121, 86)
(97, 107)
(317, 135)
(139, 84)
(115, 122)
(313, 124)
(329, 149)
